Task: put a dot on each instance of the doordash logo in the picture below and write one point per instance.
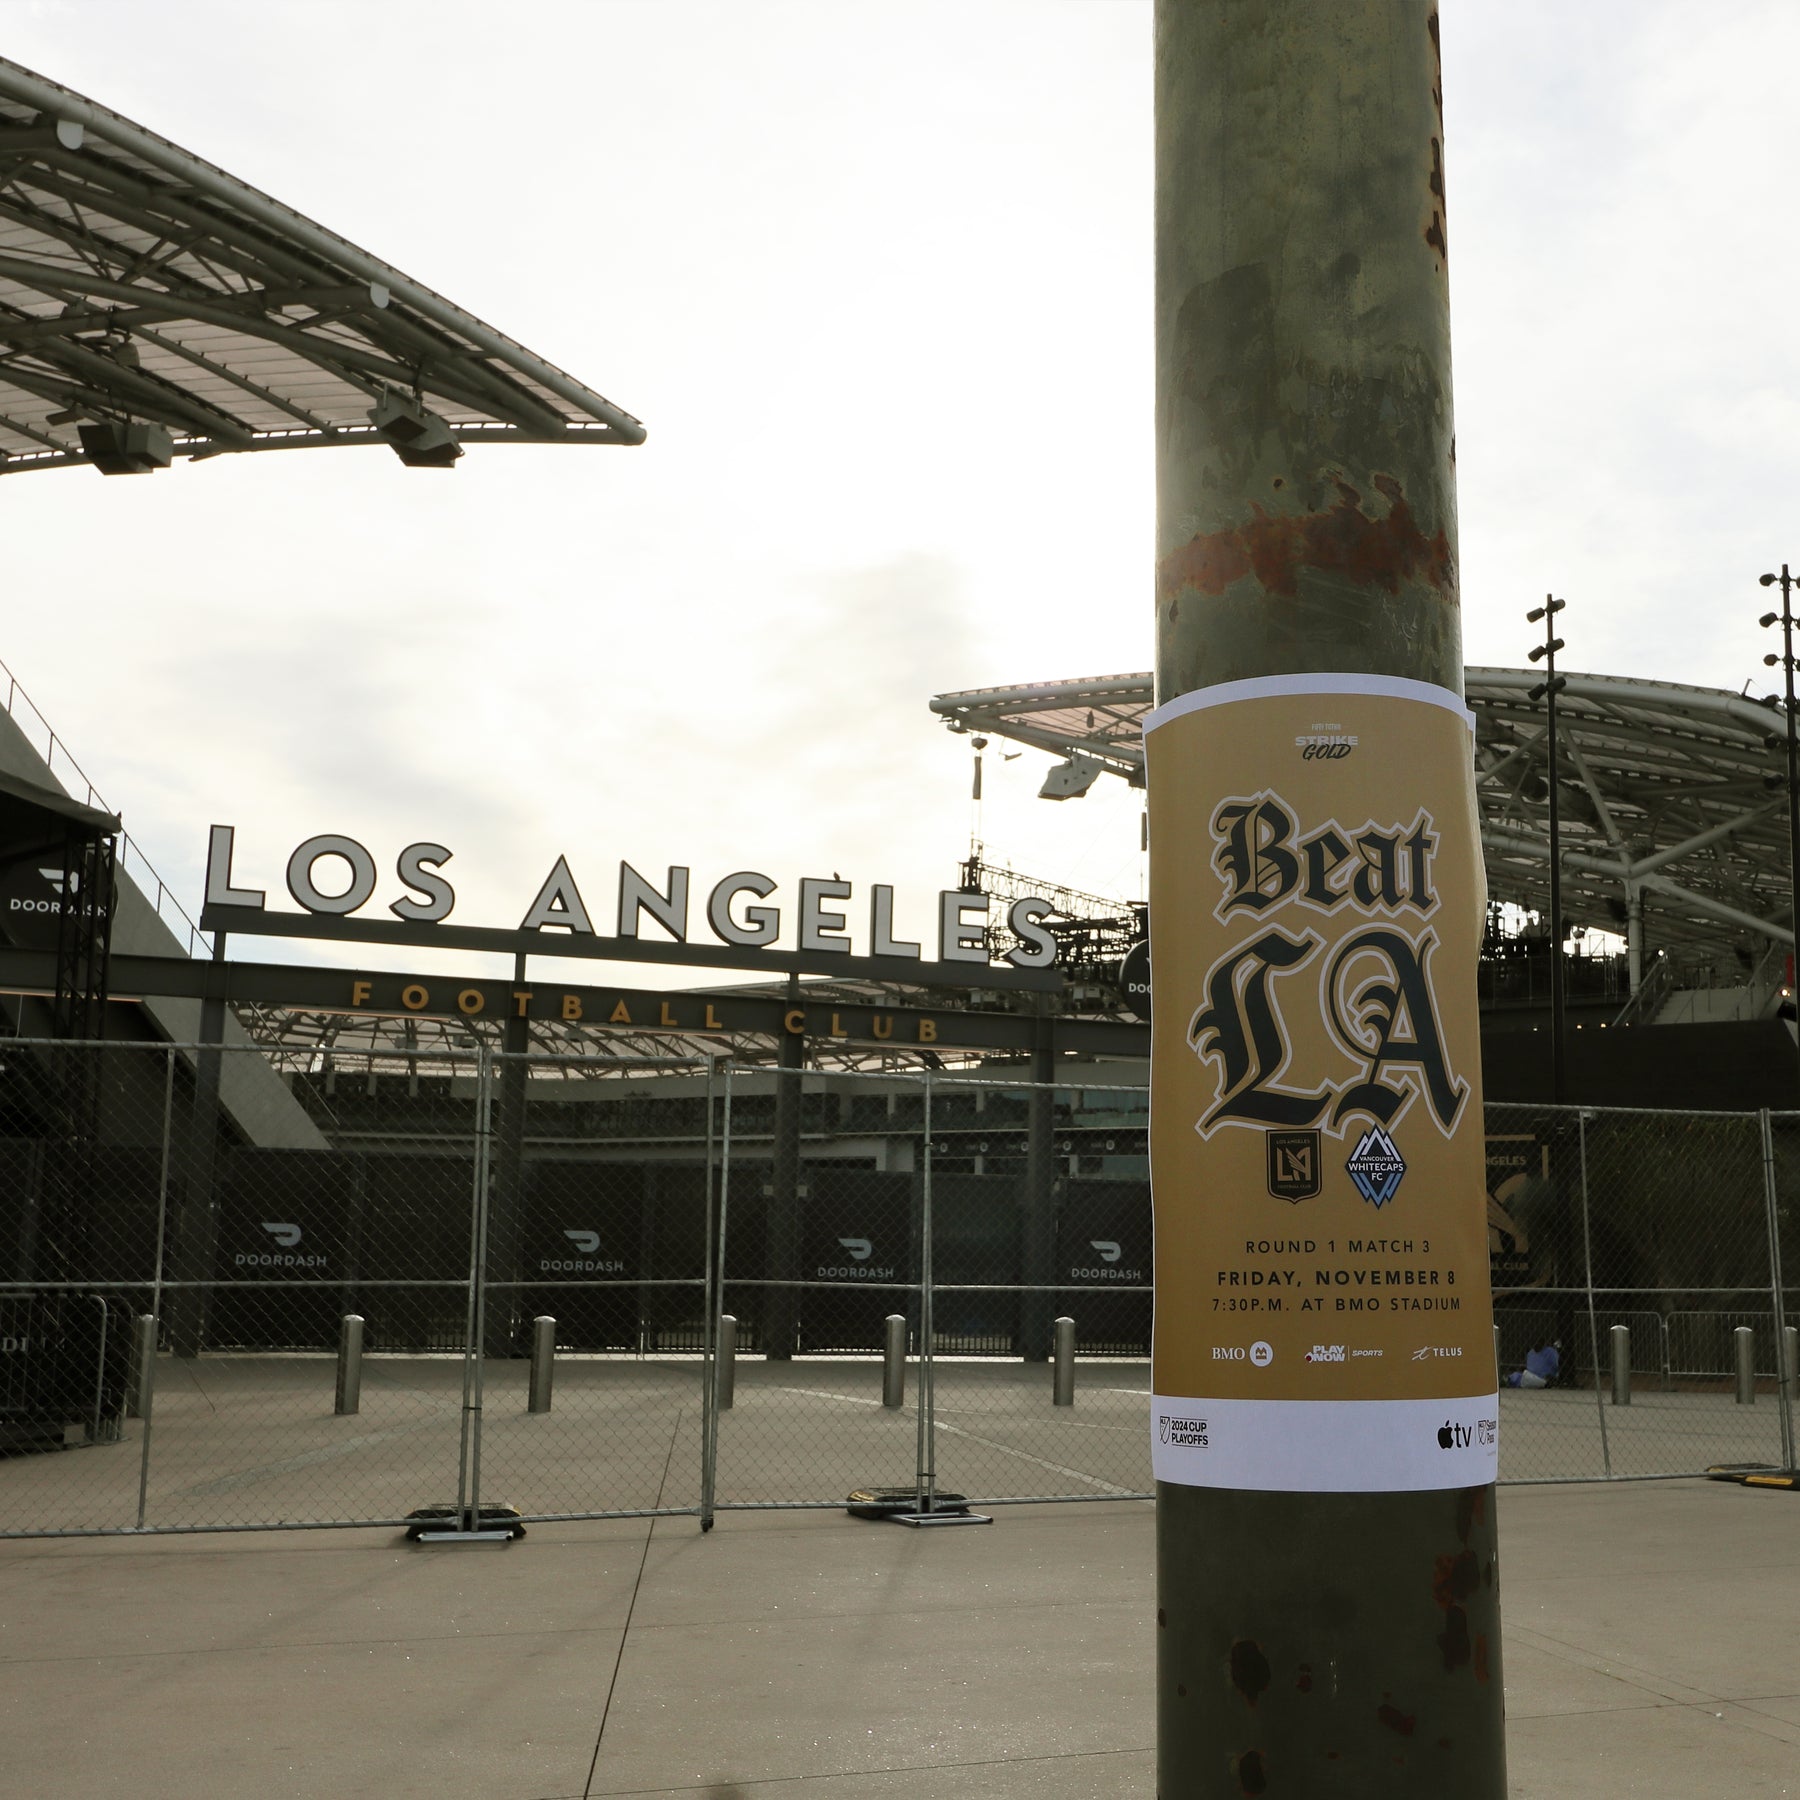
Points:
(859, 1267)
(287, 1237)
(586, 1261)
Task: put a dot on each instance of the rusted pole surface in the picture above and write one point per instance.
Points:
(1312, 1641)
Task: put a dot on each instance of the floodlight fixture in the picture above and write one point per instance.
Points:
(1767, 620)
(414, 433)
(126, 447)
(1070, 780)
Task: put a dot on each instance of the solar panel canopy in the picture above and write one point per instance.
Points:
(153, 306)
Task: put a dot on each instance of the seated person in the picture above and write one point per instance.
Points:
(1541, 1365)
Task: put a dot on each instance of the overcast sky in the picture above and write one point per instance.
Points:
(877, 279)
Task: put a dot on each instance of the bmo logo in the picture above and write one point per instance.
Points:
(1259, 1355)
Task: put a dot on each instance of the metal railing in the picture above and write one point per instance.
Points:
(168, 908)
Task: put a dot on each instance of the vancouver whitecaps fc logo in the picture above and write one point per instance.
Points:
(1368, 981)
(1376, 1167)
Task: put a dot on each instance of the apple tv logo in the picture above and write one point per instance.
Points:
(1454, 1437)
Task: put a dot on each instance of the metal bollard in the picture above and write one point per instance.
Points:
(543, 1362)
(1621, 1365)
(1743, 1341)
(143, 1368)
(725, 1381)
(1063, 1393)
(349, 1369)
(893, 1363)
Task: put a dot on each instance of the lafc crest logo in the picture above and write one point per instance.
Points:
(1335, 932)
(1294, 1165)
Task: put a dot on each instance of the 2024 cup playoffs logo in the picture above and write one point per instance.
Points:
(1295, 889)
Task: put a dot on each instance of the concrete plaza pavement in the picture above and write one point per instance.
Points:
(1650, 1650)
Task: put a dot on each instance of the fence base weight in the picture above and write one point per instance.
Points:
(454, 1524)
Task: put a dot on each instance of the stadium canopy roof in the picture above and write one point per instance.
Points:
(152, 306)
(1671, 795)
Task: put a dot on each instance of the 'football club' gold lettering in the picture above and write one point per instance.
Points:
(521, 1000)
(571, 1006)
(412, 997)
(712, 1019)
(794, 1023)
(928, 1031)
(471, 1001)
(883, 1025)
(359, 992)
(621, 1015)
(668, 1018)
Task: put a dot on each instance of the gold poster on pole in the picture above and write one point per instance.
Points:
(1324, 1320)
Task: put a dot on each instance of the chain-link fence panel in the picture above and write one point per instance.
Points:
(1783, 1152)
(316, 1303)
(1041, 1290)
(1654, 1222)
(85, 1178)
(597, 1288)
(821, 1229)
(1538, 1254)
(579, 1287)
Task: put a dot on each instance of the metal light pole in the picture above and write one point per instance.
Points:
(1786, 659)
(1327, 1574)
(1547, 690)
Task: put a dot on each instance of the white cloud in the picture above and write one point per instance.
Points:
(878, 280)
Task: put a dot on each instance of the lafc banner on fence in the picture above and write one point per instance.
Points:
(1324, 1320)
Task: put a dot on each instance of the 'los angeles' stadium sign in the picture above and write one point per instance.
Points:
(331, 877)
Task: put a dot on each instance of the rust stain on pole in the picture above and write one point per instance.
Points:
(1343, 540)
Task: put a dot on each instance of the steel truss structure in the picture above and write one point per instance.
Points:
(1672, 800)
(154, 306)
